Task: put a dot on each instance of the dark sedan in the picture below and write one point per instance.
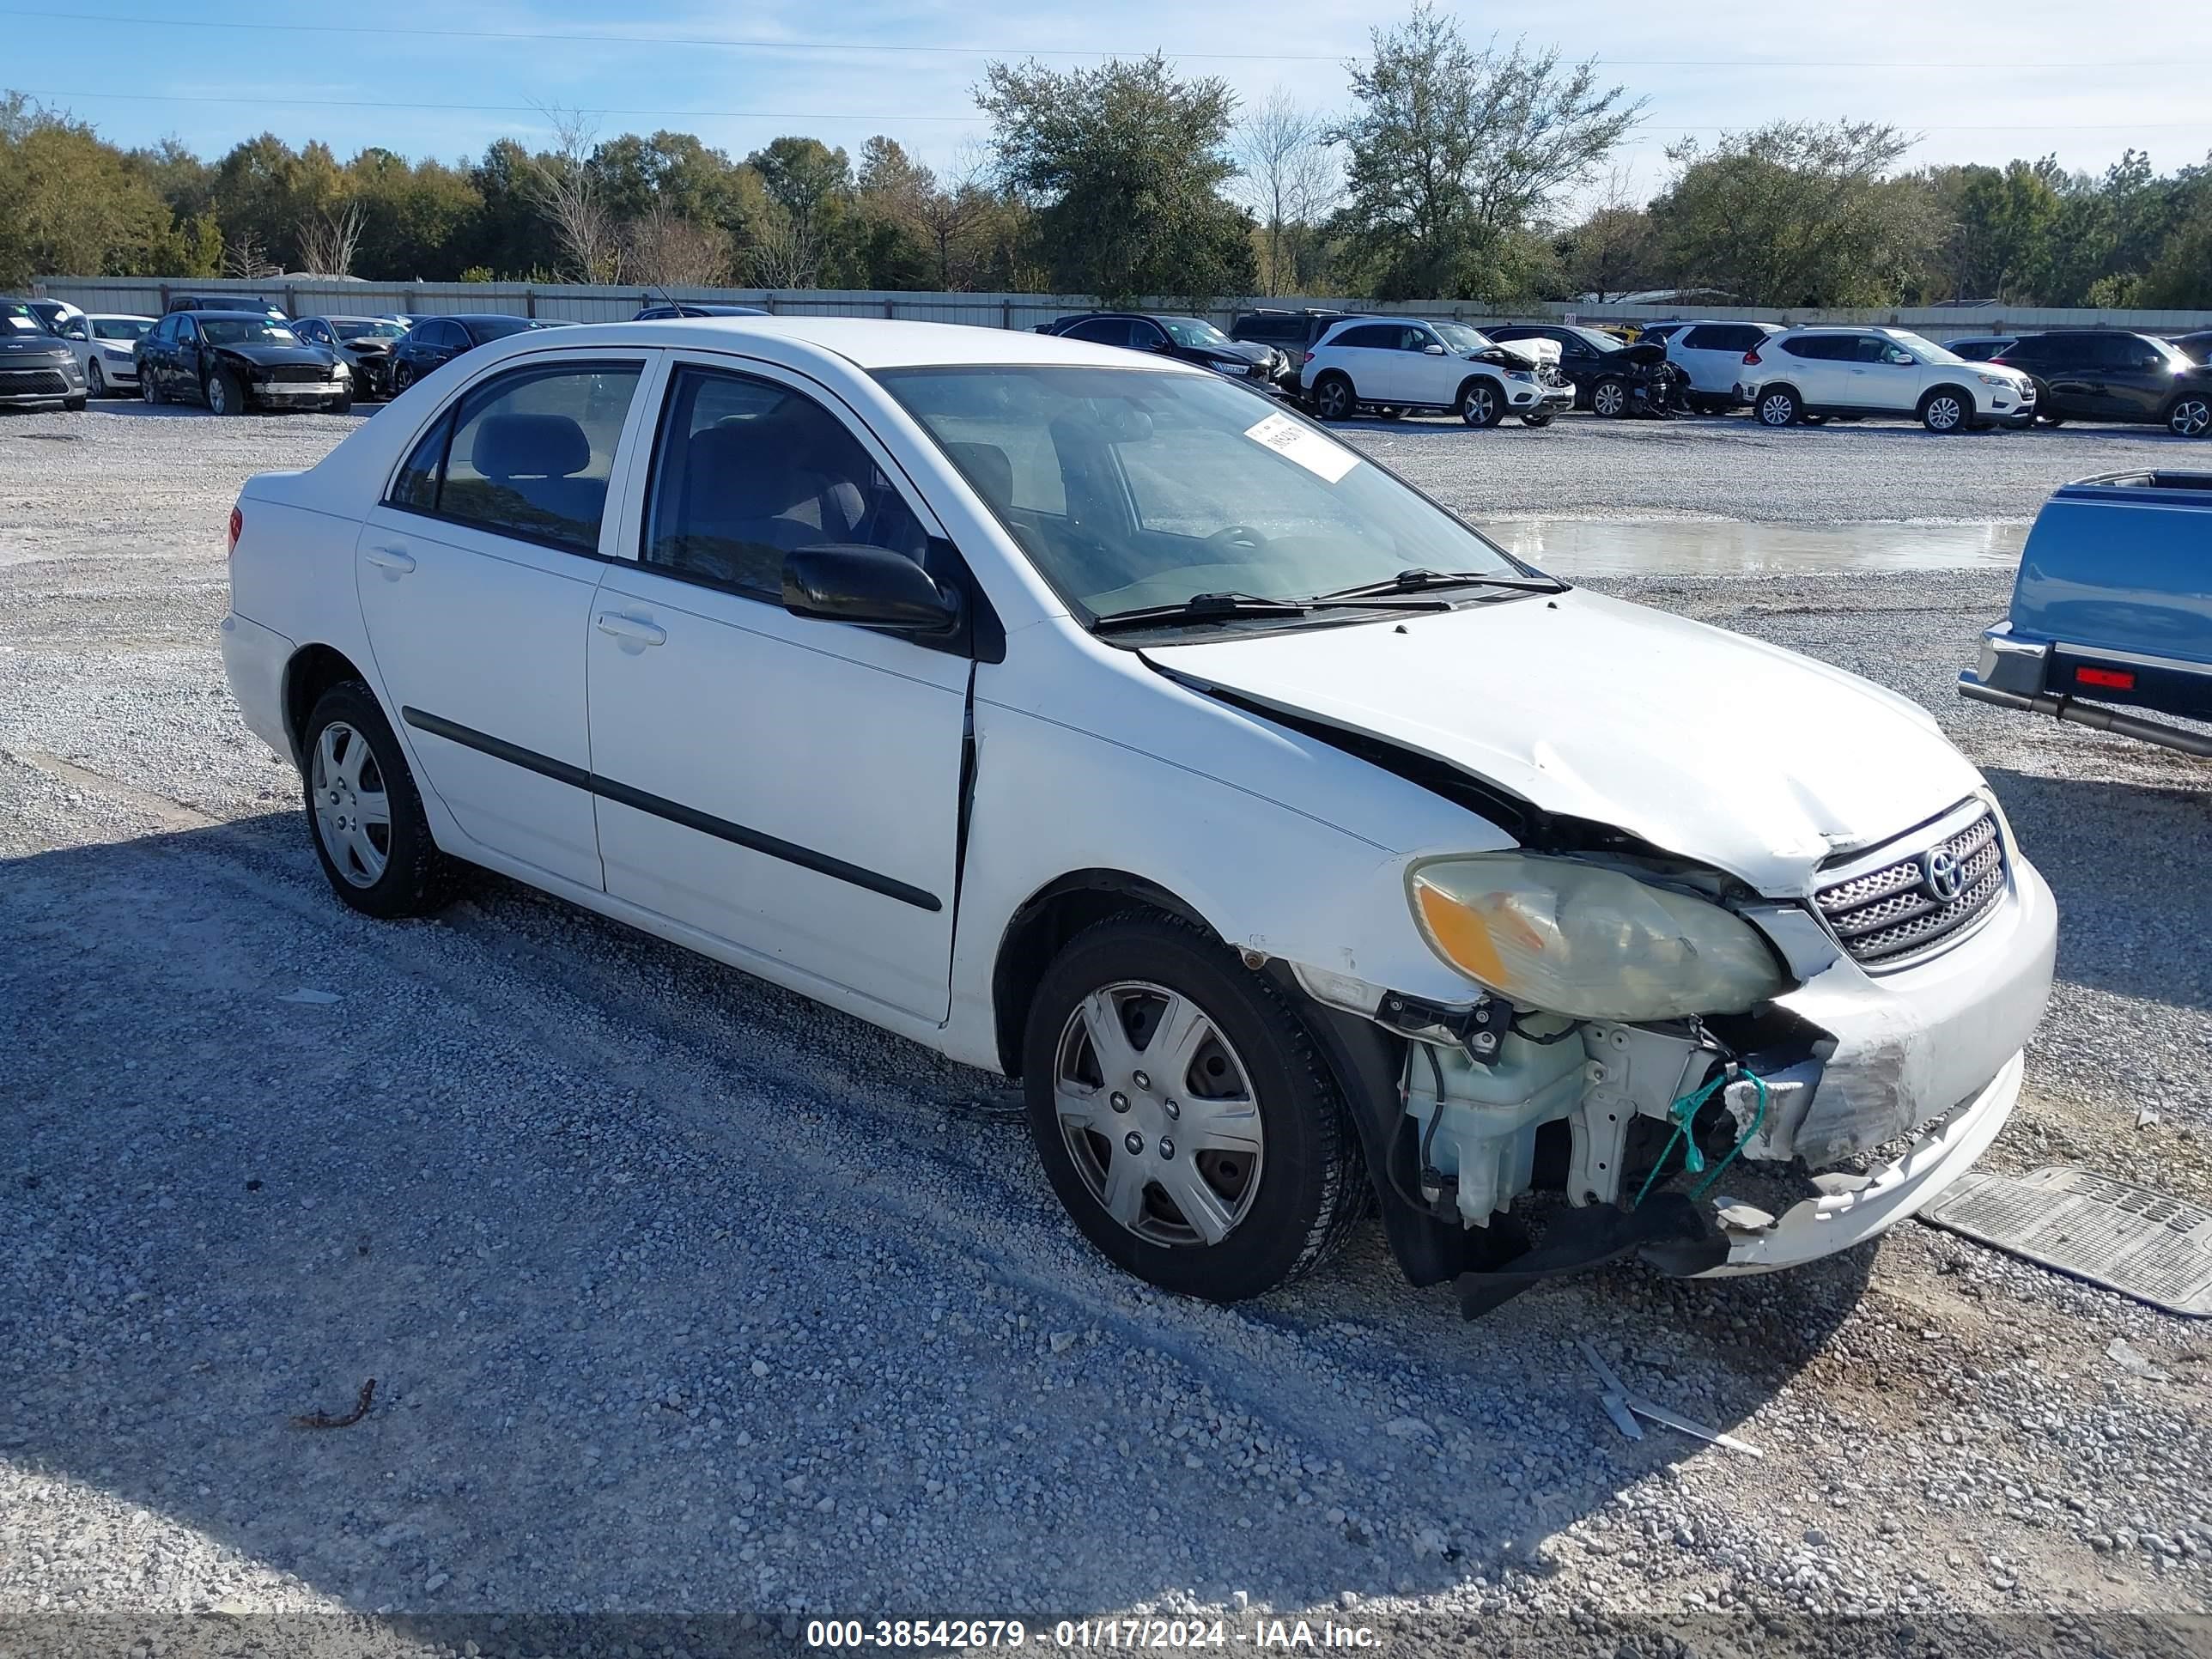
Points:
(234, 361)
(38, 370)
(1609, 377)
(365, 344)
(1192, 339)
(2105, 375)
(434, 341)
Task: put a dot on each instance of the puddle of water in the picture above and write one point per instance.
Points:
(1594, 547)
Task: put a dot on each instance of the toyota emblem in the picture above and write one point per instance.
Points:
(1945, 879)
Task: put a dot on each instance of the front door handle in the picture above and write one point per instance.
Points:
(394, 561)
(633, 630)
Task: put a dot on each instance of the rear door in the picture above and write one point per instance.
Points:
(1365, 351)
(2067, 365)
(475, 575)
(1816, 364)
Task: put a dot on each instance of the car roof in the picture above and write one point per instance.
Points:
(119, 317)
(346, 317)
(250, 316)
(869, 343)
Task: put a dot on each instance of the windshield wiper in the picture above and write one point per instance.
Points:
(1415, 581)
(1229, 607)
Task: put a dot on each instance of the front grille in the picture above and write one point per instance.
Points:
(25, 382)
(1908, 907)
(298, 373)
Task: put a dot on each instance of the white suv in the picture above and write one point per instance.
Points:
(1711, 354)
(1400, 363)
(1810, 373)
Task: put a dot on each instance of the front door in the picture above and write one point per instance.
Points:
(475, 575)
(790, 787)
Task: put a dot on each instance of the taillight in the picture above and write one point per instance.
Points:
(237, 523)
(1752, 355)
(1308, 358)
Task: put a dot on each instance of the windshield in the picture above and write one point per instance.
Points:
(1131, 487)
(1458, 337)
(21, 319)
(1190, 331)
(1595, 339)
(120, 328)
(1927, 350)
(245, 330)
(376, 331)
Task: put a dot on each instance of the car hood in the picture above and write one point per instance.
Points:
(270, 356)
(1236, 351)
(33, 345)
(1718, 748)
(1535, 353)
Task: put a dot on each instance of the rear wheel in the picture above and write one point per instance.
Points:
(1182, 1113)
(1946, 410)
(2188, 415)
(1481, 402)
(1609, 397)
(364, 812)
(1779, 407)
(1332, 395)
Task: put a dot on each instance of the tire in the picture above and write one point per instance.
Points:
(403, 376)
(1543, 418)
(1777, 406)
(339, 405)
(1947, 410)
(1332, 396)
(74, 406)
(1282, 1181)
(224, 394)
(1481, 402)
(350, 748)
(150, 389)
(2190, 416)
(95, 380)
(1609, 397)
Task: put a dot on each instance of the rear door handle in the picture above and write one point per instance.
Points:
(394, 561)
(633, 630)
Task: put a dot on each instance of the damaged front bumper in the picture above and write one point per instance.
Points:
(1852, 1209)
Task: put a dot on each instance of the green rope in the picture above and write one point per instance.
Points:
(1682, 1114)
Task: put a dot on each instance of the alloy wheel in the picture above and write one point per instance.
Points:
(2191, 418)
(1610, 398)
(1159, 1115)
(1478, 407)
(218, 396)
(353, 813)
(1335, 401)
(95, 379)
(1776, 409)
(1943, 414)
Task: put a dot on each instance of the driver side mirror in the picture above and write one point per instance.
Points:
(1432, 349)
(846, 581)
(1899, 357)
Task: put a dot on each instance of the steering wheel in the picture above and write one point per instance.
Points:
(1238, 535)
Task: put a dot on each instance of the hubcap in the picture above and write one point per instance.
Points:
(2190, 419)
(353, 814)
(1158, 1114)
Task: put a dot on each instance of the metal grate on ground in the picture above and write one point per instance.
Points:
(2144, 1244)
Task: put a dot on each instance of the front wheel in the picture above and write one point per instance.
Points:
(1609, 397)
(363, 811)
(403, 376)
(224, 394)
(95, 379)
(1333, 399)
(150, 389)
(1481, 404)
(1778, 407)
(1182, 1113)
(1945, 410)
(2189, 416)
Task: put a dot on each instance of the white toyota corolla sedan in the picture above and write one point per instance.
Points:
(1097, 721)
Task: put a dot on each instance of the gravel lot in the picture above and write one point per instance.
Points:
(684, 1295)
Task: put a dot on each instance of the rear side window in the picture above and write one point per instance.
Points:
(1103, 331)
(1723, 337)
(527, 455)
(1819, 348)
(1372, 337)
(748, 470)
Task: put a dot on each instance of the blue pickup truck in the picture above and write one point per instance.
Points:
(2113, 611)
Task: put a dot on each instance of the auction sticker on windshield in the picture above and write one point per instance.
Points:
(1318, 455)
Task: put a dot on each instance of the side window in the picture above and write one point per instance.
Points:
(1103, 331)
(747, 471)
(2114, 352)
(1703, 339)
(1369, 337)
(1416, 339)
(1145, 336)
(530, 455)
(1869, 349)
(1819, 348)
(187, 330)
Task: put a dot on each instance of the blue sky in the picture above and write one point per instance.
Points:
(1983, 80)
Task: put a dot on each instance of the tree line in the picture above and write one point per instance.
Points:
(1460, 169)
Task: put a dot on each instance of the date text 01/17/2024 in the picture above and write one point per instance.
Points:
(960, 1634)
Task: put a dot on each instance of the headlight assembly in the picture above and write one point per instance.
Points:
(1570, 937)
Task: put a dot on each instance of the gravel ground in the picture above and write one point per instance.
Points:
(684, 1295)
